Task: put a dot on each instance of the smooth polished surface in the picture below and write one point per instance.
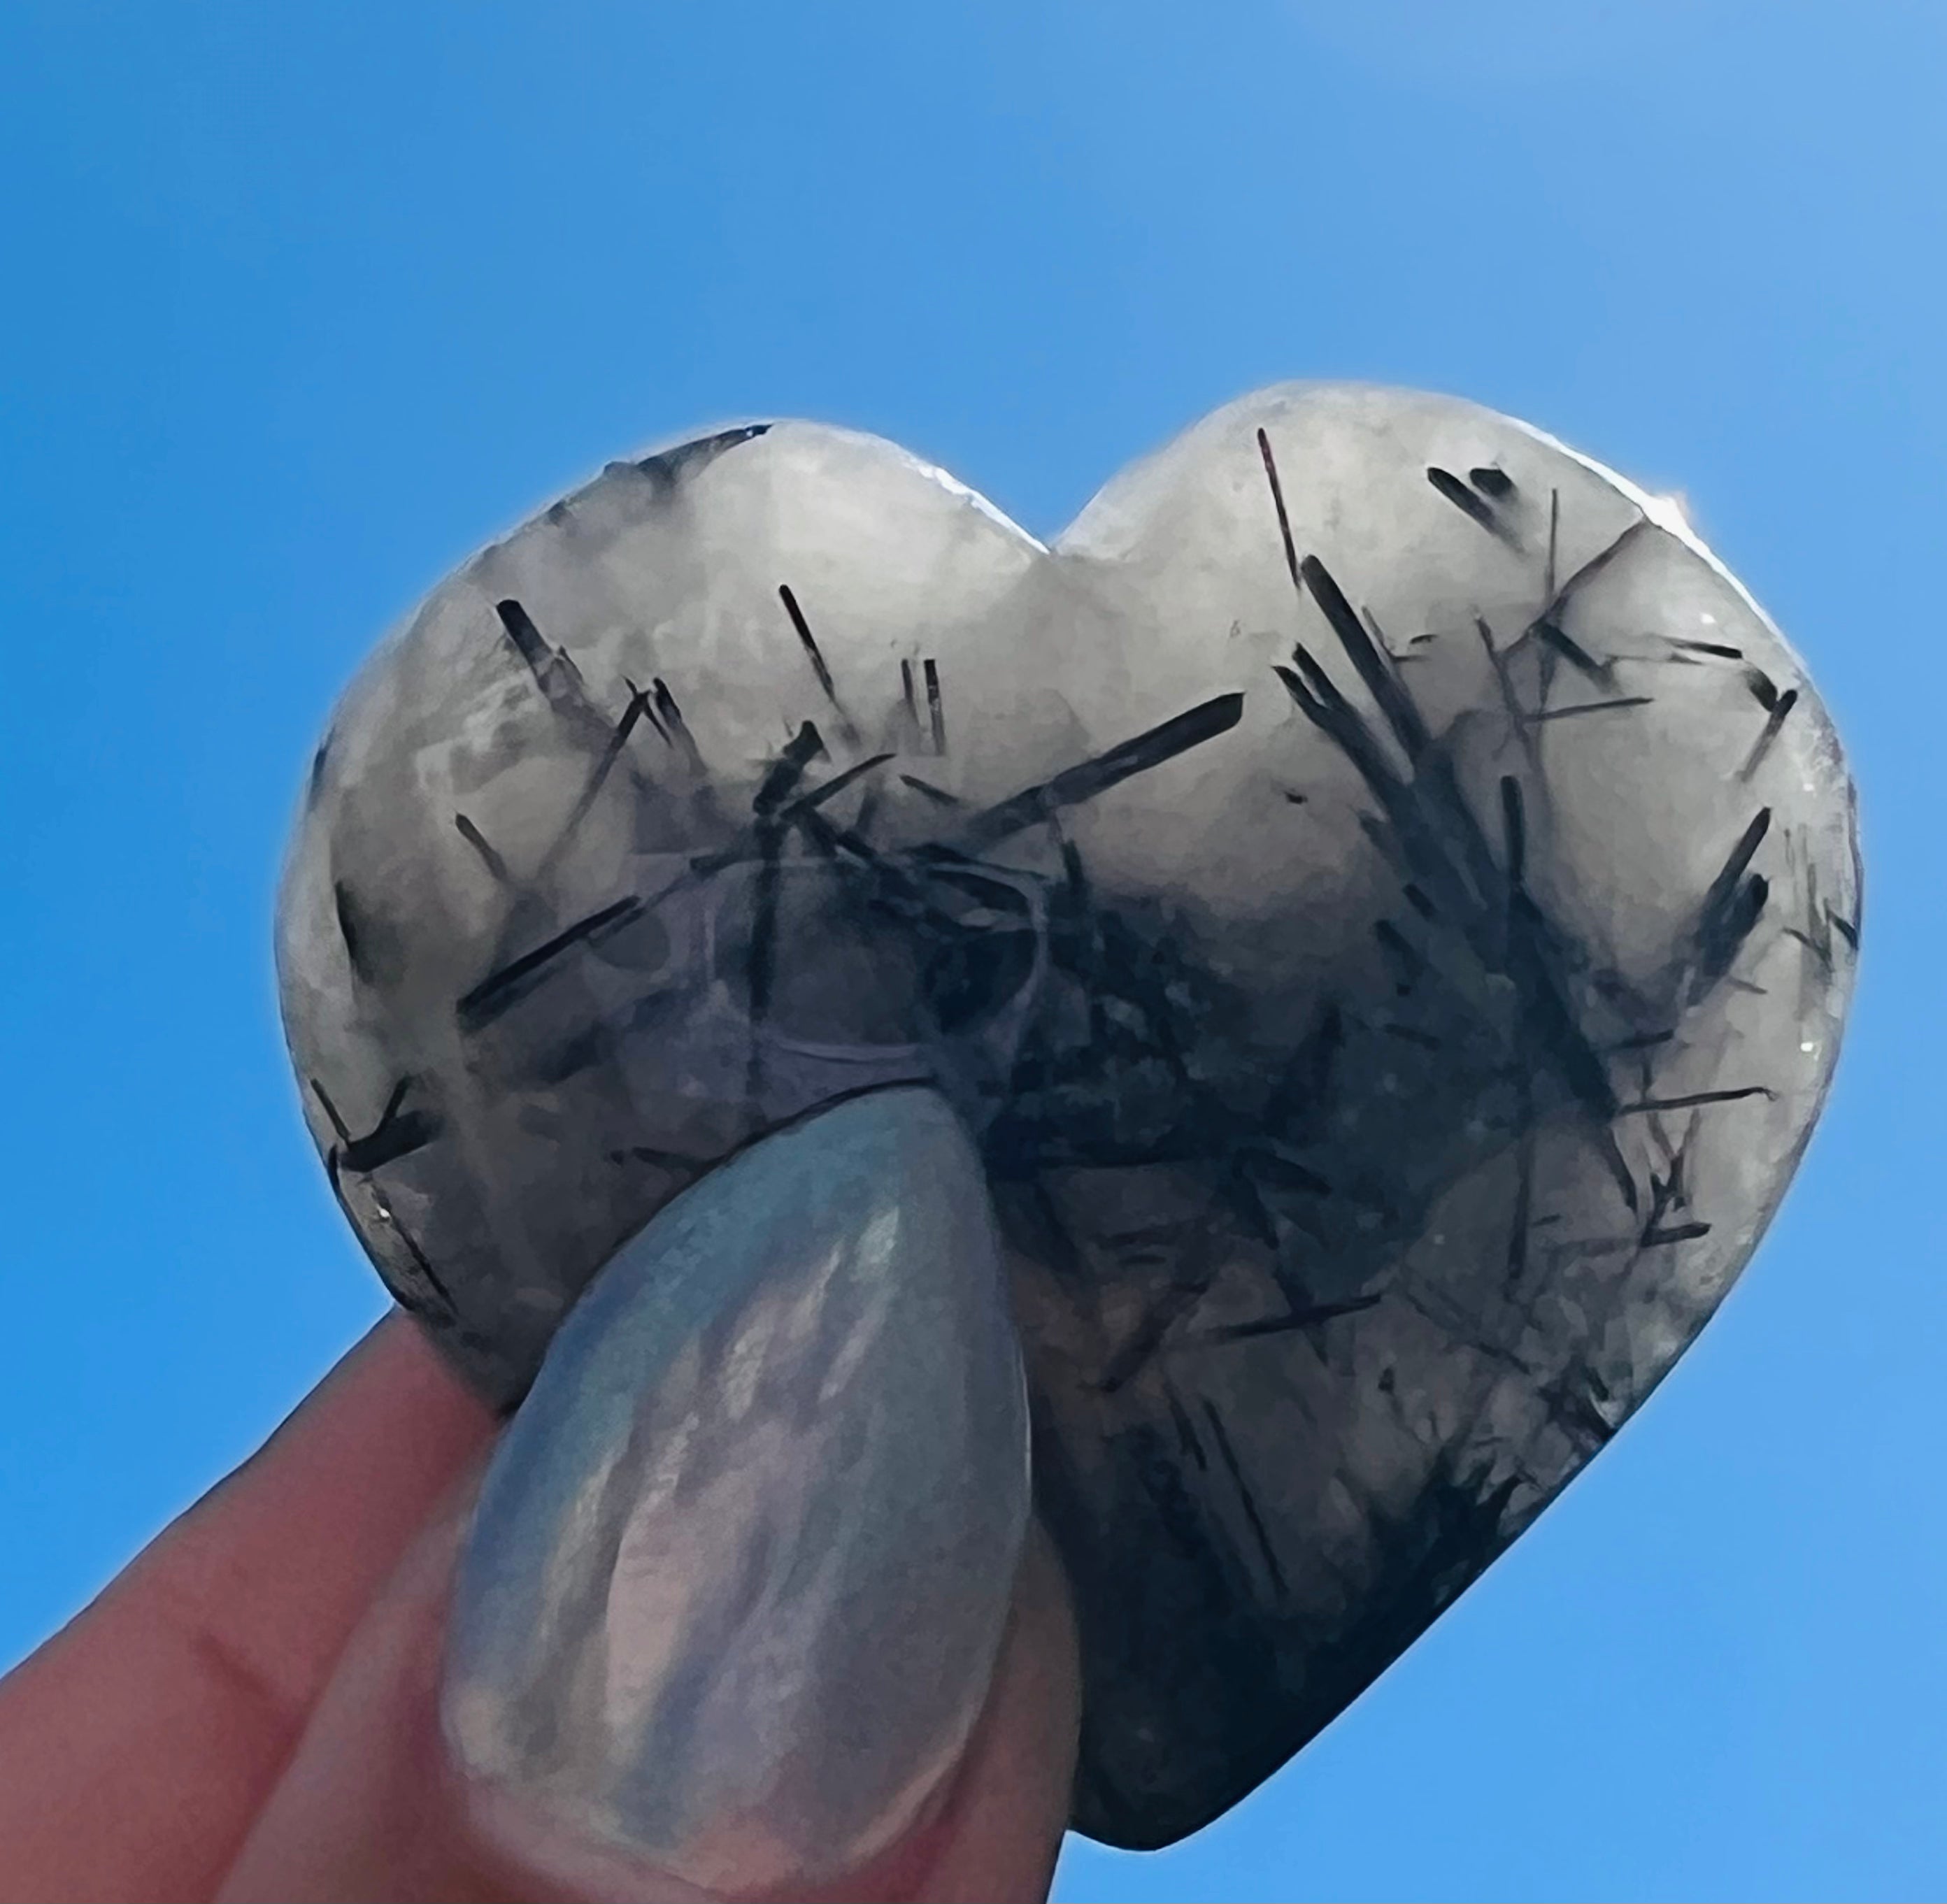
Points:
(1381, 895)
(739, 1571)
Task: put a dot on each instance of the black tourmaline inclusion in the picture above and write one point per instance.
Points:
(1383, 898)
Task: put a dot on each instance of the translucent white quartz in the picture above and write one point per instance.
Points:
(1381, 895)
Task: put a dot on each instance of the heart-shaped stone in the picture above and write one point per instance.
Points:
(1381, 894)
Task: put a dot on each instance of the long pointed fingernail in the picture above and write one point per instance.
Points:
(740, 1565)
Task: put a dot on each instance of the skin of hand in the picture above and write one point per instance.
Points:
(250, 1711)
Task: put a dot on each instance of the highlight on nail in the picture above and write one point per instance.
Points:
(739, 1568)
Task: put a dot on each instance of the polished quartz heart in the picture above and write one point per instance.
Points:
(1381, 895)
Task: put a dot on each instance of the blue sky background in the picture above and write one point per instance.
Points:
(305, 301)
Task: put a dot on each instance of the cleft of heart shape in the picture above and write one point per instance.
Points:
(1381, 895)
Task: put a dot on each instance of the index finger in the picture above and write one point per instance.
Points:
(141, 1740)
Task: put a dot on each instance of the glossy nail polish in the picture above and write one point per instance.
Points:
(740, 1565)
